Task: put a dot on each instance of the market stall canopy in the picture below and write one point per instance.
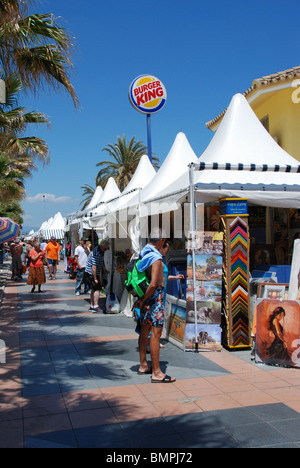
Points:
(143, 175)
(95, 199)
(241, 140)
(56, 228)
(45, 226)
(111, 192)
(179, 157)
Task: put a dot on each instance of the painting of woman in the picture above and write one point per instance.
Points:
(277, 353)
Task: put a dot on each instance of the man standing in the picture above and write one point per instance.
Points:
(52, 249)
(81, 257)
(94, 271)
(151, 307)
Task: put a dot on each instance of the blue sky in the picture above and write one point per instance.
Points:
(203, 52)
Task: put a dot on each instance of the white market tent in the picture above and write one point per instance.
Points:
(77, 223)
(179, 157)
(110, 192)
(95, 199)
(44, 226)
(55, 228)
(241, 140)
(143, 175)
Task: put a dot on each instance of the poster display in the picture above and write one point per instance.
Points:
(204, 293)
(278, 333)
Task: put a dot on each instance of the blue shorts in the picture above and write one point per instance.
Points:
(52, 262)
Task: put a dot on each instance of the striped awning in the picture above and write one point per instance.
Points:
(245, 167)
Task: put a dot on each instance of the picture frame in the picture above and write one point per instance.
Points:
(277, 291)
(177, 321)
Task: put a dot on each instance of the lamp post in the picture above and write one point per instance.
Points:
(44, 200)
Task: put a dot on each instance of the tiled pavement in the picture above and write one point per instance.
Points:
(70, 380)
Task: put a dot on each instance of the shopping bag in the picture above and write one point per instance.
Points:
(112, 304)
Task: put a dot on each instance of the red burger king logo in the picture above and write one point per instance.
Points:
(147, 94)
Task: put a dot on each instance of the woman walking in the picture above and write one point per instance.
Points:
(36, 276)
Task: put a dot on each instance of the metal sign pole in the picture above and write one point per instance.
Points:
(149, 137)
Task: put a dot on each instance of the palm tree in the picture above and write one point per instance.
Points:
(122, 166)
(88, 192)
(14, 121)
(18, 153)
(13, 211)
(35, 47)
(11, 181)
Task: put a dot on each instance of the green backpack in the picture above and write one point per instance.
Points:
(136, 282)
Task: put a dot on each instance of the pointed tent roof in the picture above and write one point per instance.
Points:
(242, 139)
(143, 175)
(110, 192)
(179, 157)
(56, 228)
(96, 197)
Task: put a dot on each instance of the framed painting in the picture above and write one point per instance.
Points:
(177, 320)
(278, 333)
(265, 291)
(275, 291)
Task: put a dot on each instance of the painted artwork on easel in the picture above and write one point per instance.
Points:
(278, 333)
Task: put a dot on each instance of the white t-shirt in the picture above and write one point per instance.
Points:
(82, 256)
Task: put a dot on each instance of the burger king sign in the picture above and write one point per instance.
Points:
(147, 94)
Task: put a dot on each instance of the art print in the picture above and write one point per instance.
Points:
(209, 337)
(206, 312)
(205, 291)
(208, 267)
(278, 332)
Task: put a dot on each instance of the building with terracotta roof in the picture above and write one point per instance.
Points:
(275, 99)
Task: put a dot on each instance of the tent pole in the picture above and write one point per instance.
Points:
(193, 229)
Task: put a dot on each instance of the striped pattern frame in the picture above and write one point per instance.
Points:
(240, 298)
(236, 299)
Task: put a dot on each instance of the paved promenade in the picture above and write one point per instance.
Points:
(70, 380)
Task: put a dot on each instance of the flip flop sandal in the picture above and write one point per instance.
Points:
(149, 371)
(166, 379)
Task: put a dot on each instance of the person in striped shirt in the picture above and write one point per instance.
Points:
(94, 271)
